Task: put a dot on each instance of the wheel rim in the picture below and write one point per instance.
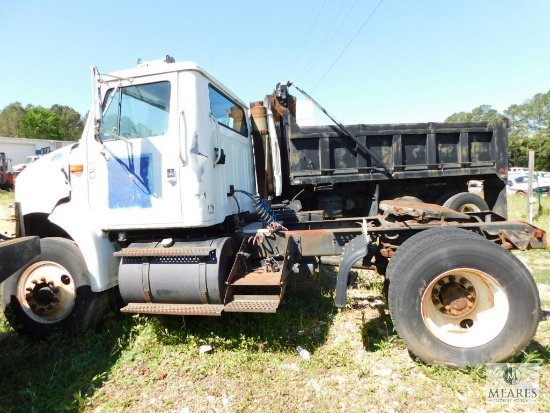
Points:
(46, 292)
(469, 208)
(465, 308)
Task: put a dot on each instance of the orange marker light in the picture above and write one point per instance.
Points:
(76, 168)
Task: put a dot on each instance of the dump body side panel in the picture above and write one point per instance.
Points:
(426, 160)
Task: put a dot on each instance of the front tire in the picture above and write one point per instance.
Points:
(458, 299)
(52, 293)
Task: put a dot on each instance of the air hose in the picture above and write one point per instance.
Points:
(262, 208)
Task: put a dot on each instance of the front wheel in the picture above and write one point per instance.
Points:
(458, 299)
(52, 293)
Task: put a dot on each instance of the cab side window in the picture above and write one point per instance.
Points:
(227, 112)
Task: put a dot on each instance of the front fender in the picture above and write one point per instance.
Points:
(44, 183)
(94, 244)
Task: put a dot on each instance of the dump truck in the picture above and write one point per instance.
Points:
(189, 202)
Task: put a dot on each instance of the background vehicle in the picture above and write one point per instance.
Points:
(19, 167)
(189, 206)
(6, 178)
(518, 170)
(543, 178)
(518, 184)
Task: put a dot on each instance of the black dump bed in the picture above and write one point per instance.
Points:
(323, 154)
(430, 161)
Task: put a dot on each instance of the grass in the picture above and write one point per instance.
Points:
(358, 363)
(6, 196)
(538, 261)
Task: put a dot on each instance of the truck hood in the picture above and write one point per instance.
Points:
(43, 183)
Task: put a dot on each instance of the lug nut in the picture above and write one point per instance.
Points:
(50, 307)
(42, 309)
(33, 306)
(28, 297)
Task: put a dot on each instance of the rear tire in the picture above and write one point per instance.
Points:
(457, 299)
(53, 293)
(466, 202)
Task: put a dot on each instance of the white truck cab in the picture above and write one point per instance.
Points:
(171, 142)
(163, 148)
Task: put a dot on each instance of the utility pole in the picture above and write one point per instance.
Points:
(530, 198)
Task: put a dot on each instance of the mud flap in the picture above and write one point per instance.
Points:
(356, 249)
(16, 253)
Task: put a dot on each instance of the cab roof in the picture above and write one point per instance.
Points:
(168, 65)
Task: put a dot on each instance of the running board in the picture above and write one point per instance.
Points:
(173, 309)
(165, 252)
(239, 304)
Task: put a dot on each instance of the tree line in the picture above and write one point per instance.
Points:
(529, 128)
(56, 123)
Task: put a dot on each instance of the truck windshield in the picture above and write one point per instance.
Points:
(138, 111)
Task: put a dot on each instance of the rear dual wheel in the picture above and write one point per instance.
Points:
(457, 299)
(466, 202)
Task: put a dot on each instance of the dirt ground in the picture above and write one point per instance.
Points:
(7, 219)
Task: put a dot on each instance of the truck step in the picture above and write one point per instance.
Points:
(253, 304)
(165, 252)
(259, 277)
(174, 309)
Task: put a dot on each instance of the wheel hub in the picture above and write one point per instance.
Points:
(46, 292)
(464, 307)
(43, 297)
(454, 296)
(469, 208)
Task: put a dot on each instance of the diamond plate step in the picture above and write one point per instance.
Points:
(165, 252)
(174, 309)
(253, 304)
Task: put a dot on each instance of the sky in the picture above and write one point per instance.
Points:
(365, 61)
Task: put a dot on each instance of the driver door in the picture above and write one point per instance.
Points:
(133, 172)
